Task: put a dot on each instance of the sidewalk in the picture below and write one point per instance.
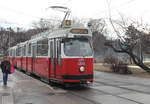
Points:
(20, 87)
(6, 92)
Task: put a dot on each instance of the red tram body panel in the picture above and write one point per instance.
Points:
(24, 63)
(71, 72)
(42, 67)
(29, 64)
(19, 62)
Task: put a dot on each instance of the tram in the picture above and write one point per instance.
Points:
(63, 55)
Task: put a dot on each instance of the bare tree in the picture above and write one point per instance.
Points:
(132, 36)
(98, 25)
(5, 37)
(99, 32)
(46, 24)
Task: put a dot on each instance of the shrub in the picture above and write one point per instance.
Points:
(116, 65)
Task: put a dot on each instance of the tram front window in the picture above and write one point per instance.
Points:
(77, 47)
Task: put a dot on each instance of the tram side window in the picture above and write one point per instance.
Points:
(42, 47)
(51, 49)
(18, 53)
(10, 52)
(24, 51)
(58, 49)
(29, 49)
(13, 54)
(21, 53)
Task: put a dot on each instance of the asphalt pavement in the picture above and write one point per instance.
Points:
(108, 88)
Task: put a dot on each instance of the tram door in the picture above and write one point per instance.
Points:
(55, 59)
(58, 59)
(52, 59)
(33, 57)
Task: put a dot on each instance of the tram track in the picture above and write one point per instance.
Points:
(125, 87)
(84, 98)
(117, 95)
(106, 93)
(130, 83)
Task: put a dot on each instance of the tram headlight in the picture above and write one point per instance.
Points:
(82, 69)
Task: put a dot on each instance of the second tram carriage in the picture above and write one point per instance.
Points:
(64, 55)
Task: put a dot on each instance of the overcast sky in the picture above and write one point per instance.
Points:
(23, 12)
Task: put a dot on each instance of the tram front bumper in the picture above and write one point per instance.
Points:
(78, 78)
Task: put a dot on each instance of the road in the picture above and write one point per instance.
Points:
(108, 88)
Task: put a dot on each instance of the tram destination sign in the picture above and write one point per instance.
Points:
(79, 31)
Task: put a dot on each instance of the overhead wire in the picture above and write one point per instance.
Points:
(66, 2)
(23, 13)
(108, 6)
(32, 16)
(118, 6)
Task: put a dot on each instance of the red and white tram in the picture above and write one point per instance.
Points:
(64, 55)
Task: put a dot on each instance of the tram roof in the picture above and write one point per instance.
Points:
(62, 33)
(58, 33)
(14, 47)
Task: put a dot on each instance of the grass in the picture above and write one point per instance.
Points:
(136, 72)
(147, 63)
(102, 68)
